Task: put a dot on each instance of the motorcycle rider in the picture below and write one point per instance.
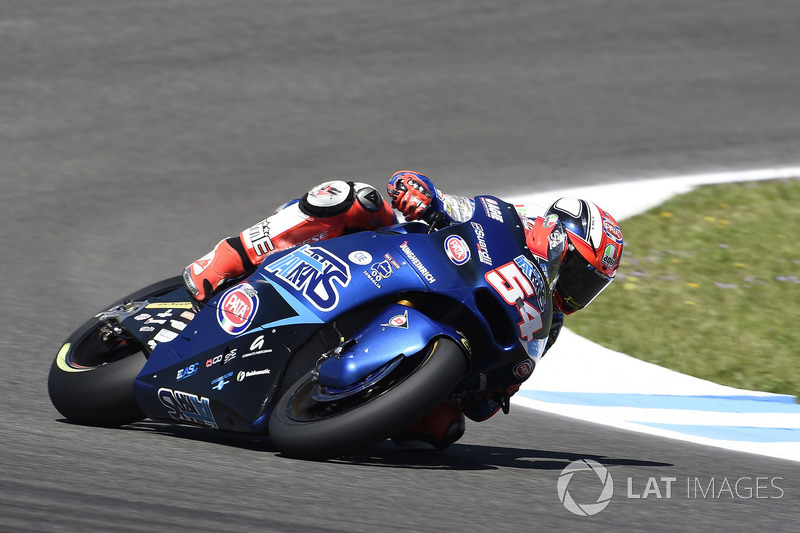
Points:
(579, 270)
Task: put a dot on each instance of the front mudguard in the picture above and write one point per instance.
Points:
(397, 331)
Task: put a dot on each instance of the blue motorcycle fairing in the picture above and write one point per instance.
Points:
(275, 313)
(335, 276)
(397, 330)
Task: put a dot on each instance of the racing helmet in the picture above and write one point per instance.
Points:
(592, 256)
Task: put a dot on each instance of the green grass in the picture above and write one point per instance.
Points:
(709, 286)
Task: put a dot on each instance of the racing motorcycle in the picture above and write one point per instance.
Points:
(327, 347)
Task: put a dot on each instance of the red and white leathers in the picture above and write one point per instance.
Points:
(328, 210)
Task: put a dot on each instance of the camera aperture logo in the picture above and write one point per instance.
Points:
(585, 509)
(596, 479)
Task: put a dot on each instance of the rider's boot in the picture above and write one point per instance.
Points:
(437, 430)
(207, 274)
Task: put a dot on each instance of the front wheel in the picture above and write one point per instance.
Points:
(91, 379)
(303, 427)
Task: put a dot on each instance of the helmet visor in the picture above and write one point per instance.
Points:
(579, 282)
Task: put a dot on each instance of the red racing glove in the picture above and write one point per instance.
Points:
(411, 193)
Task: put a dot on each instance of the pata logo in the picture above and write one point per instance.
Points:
(585, 509)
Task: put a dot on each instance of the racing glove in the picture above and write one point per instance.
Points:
(224, 263)
(412, 193)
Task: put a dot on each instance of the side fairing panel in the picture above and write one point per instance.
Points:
(341, 274)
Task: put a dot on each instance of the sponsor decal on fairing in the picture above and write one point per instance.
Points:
(223, 358)
(398, 321)
(483, 253)
(186, 372)
(381, 270)
(492, 209)
(360, 257)
(456, 249)
(165, 335)
(313, 271)
(237, 308)
(533, 274)
(257, 344)
(220, 382)
(523, 370)
(417, 263)
(256, 348)
(244, 374)
(187, 407)
(168, 305)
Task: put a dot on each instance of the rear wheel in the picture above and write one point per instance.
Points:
(91, 379)
(303, 427)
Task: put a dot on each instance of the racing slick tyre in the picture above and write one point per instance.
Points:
(91, 379)
(305, 428)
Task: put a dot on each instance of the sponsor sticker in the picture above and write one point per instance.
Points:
(222, 358)
(257, 344)
(483, 253)
(556, 238)
(456, 249)
(381, 270)
(258, 238)
(398, 321)
(256, 348)
(533, 274)
(423, 270)
(244, 374)
(187, 407)
(612, 230)
(523, 370)
(314, 271)
(221, 381)
(170, 305)
(492, 209)
(165, 335)
(189, 371)
(360, 257)
(610, 255)
(237, 308)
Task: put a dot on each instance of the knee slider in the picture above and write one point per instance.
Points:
(328, 199)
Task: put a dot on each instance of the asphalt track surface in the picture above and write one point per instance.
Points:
(136, 134)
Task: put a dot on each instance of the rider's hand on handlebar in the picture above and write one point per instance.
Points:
(410, 195)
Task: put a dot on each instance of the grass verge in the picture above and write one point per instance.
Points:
(709, 286)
